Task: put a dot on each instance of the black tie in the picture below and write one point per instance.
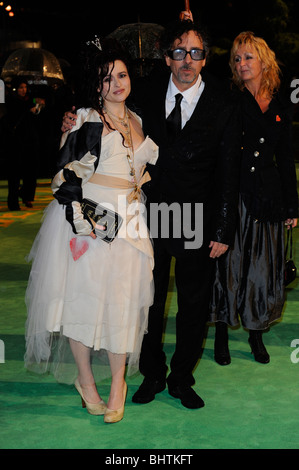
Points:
(174, 120)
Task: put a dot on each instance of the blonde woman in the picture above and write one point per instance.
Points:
(250, 278)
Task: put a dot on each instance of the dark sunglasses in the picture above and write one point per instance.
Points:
(180, 54)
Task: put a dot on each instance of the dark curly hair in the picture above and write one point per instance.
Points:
(175, 31)
(94, 67)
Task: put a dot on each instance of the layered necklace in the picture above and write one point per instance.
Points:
(125, 131)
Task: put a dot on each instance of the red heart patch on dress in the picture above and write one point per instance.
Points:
(78, 247)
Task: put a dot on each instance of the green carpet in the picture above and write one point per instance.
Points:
(248, 405)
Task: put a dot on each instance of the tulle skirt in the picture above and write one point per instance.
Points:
(249, 283)
(101, 299)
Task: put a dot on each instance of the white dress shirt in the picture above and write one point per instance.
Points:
(189, 101)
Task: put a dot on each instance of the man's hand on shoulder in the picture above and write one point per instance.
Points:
(69, 120)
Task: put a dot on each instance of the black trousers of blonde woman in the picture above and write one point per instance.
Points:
(249, 285)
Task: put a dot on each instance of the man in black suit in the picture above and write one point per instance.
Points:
(199, 163)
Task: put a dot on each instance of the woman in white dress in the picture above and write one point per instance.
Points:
(85, 294)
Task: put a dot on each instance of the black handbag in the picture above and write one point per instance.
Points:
(290, 269)
(102, 216)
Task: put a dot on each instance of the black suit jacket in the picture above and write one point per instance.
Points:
(202, 163)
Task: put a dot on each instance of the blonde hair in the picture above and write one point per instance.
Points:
(270, 77)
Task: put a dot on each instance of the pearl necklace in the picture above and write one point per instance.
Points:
(126, 133)
(123, 121)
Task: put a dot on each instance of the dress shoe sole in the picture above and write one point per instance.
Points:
(143, 401)
(186, 404)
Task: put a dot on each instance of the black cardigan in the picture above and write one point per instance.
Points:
(268, 177)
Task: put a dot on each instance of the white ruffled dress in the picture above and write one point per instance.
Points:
(97, 293)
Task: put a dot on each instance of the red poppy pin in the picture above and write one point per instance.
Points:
(278, 118)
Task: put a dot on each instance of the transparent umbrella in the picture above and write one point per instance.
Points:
(38, 66)
(141, 40)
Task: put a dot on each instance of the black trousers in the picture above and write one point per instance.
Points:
(194, 272)
(22, 165)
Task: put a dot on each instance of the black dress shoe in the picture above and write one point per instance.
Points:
(148, 389)
(14, 207)
(257, 347)
(187, 395)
